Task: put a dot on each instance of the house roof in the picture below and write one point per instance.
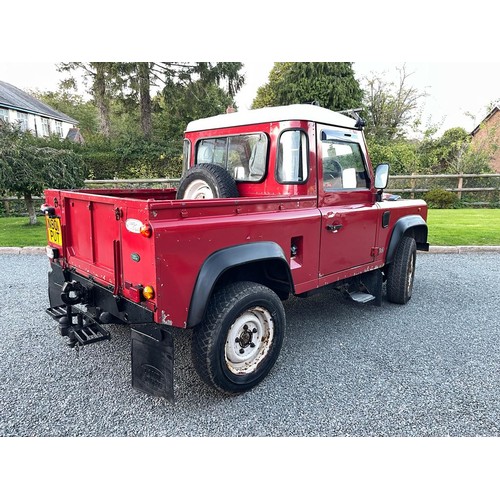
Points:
(490, 114)
(14, 98)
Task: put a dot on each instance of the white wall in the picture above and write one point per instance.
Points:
(36, 119)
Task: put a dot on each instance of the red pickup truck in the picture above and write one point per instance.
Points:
(272, 202)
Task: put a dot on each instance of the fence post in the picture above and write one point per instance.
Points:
(6, 206)
(413, 185)
(460, 186)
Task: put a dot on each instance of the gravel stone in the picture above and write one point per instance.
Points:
(429, 368)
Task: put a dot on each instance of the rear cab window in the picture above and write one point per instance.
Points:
(244, 156)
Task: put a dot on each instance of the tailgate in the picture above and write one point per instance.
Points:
(92, 237)
(106, 236)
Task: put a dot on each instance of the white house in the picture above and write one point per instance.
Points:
(29, 113)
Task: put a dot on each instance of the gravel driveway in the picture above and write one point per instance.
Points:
(430, 368)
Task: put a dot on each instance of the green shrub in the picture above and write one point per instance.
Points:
(439, 198)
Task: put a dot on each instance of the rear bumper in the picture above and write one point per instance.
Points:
(96, 296)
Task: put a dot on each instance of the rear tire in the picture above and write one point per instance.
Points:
(207, 181)
(401, 272)
(240, 338)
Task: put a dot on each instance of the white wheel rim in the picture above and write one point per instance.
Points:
(198, 190)
(249, 340)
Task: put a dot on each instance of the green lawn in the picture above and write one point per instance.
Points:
(446, 227)
(16, 232)
(467, 226)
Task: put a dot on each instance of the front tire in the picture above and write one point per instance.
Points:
(401, 273)
(239, 340)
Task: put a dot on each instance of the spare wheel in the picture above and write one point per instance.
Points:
(205, 181)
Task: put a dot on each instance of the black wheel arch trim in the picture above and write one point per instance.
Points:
(222, 260)
(400, 229)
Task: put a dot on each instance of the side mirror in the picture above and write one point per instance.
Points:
(381, 176)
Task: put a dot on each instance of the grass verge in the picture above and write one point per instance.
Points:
(17, 232)
(446, 227)
(466, 226)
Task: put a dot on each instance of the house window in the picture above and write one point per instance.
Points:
(45, 127)
(4, 115)
(59, 129)
(22, 120)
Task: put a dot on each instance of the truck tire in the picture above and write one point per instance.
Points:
(206, 181)
(401, 272)
(240, 338)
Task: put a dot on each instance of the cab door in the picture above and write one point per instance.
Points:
(347, 202)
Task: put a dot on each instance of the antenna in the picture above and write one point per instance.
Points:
(354, 113)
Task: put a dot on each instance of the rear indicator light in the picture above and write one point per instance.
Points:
(148, 293)
(146, 230)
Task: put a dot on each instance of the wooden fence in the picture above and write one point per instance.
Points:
(459, 189)
(464, 185)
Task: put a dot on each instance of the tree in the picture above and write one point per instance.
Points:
(103, 77)
(331, 84)
(390, 107)
(28, 165)
(131, 83)
(179, 104)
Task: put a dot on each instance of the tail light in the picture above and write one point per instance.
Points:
(146, 230)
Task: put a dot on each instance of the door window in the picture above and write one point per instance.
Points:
(343, 166)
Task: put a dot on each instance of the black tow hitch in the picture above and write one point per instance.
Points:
(79, 327)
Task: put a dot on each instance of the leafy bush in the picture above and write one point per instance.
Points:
(439, 198)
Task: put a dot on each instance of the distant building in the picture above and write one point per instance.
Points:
(18, 107)
(489, 130)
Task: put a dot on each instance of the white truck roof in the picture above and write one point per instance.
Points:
(306, 112)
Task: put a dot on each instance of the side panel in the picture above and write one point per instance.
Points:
(184, 245)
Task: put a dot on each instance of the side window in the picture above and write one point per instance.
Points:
(292, 166)
(244, 156)
(343, 166)
(186, 149)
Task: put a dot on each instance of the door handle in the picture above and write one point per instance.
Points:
(334, 228)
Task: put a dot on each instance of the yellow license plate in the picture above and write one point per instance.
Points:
(54, 234)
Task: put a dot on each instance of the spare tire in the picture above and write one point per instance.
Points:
(205, 181)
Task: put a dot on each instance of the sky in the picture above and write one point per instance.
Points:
(455, 90)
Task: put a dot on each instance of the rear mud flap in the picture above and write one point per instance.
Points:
(153, 361)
